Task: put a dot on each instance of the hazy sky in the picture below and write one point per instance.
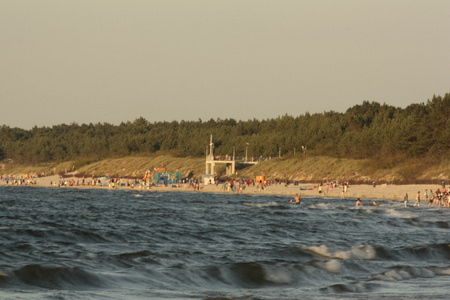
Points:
(84, 61)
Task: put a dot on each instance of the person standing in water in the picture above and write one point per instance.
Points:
(417, 199)
(405, 199)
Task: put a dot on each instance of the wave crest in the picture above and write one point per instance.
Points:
(56, 277)
(401, 273)
(364, 252)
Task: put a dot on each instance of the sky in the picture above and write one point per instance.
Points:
(113, 61)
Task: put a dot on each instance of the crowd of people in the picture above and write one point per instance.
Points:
(18, 180)
(434, 198)
(239, 185)
(438, 198)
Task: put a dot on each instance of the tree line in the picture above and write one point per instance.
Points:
(369, 130)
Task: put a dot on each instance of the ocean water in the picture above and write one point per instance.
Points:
(120, 244)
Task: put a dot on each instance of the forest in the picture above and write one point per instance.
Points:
(370, 130)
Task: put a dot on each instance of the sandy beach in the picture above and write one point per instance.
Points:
(382, 191)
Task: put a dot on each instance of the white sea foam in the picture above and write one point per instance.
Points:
(405, 274)
(398, 213)
(320, 205)
(259, 205)
(154, 195)
(333, 266)
(360, 252)
(394, 275)
(277, 276)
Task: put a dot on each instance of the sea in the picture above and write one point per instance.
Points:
(131, 244)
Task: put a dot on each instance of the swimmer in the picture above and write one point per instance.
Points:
(374, 203)
(358, 202)
(298, 199)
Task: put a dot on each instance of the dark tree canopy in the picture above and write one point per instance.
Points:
(369, 130)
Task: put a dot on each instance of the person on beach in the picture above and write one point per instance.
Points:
(417, 199)
(297, 199)
(405, 199)
(358, 202)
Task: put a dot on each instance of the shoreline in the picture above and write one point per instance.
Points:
(368, 192)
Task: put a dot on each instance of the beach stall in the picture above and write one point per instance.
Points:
(160, 175)
(173, 177)
(208, 179)
(102, 181)
(162, 178)
(260, 179)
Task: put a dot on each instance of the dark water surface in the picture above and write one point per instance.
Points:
(103, 244)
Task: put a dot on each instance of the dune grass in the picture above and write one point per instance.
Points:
(326, 169)
(303, 169)
(135, 167)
